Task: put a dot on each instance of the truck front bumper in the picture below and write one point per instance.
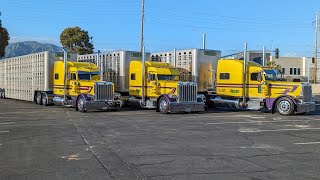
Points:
(186, 107)
(306, 107)
(104, 105)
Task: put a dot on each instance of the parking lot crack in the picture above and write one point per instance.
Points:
(116, 167)
(157, 163)
(89, 147)
(212, 173)
(132, 168)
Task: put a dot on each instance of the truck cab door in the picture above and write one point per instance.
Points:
(265, 85)
(151, 88)
(257, 86)
(73, 84)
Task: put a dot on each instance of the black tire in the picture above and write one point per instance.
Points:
(39, 98)
(285, 106)
(163, 105)
(44, 99)
(81, 105)
(2, 94)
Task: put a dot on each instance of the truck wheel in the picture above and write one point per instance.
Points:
(163, 105)
(81, 104)
(44, 99)
(285, 106)
(39, 98)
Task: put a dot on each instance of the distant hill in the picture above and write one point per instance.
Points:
(28, 47)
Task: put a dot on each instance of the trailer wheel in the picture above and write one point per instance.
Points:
(81, 104)
(285, 106)
(163, 105)
(44, 99)
(39, 98)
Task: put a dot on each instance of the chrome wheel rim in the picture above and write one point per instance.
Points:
(163, 105)
(44, 100)
(38, 98)
(284, 106)
(80, 104)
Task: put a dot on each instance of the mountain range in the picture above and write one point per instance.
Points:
(28, 47)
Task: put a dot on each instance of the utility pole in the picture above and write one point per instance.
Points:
(204, 41)
(263, 56)
(142, 27)
(316, 49)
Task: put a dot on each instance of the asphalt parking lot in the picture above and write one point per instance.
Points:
(38, 142)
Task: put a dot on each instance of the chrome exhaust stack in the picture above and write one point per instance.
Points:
(143, 100)
(244, 93)
(65, 75)
(232, 103)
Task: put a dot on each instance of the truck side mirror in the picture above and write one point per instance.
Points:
(259, 78)
(149, 78)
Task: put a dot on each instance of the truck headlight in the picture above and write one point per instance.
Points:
(174, 96)
(201, 96)
(91, 97)
(117, 95)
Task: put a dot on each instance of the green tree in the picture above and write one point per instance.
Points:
(4, 39)
(273, 65)
(76, 40)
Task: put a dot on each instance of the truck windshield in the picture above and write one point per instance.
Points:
(270, 74)
(88, 75)
(162, 77)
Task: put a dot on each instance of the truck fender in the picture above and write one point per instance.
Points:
(163, 95)
(275, 101)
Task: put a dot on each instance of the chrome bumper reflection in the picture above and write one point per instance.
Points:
(306, 107)
(186, 107)
(104, 105)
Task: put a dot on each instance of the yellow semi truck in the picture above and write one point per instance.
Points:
(41, 78)
(162, 90)
(250, 89)
(233, 83)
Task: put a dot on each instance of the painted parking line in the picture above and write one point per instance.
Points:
(314, 119)
(4, 123)
(306, 143)
(4, 131)
(229, 115)
(253, 122)
(276, 130)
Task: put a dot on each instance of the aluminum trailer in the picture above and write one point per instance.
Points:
(22, 77)
(114, 66)
(196, 65)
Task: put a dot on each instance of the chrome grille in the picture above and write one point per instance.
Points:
(306, 92)
(187, 92)
(103, 91)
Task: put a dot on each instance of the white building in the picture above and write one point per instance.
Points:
(295, 67)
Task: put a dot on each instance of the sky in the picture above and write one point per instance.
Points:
(116, 24)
